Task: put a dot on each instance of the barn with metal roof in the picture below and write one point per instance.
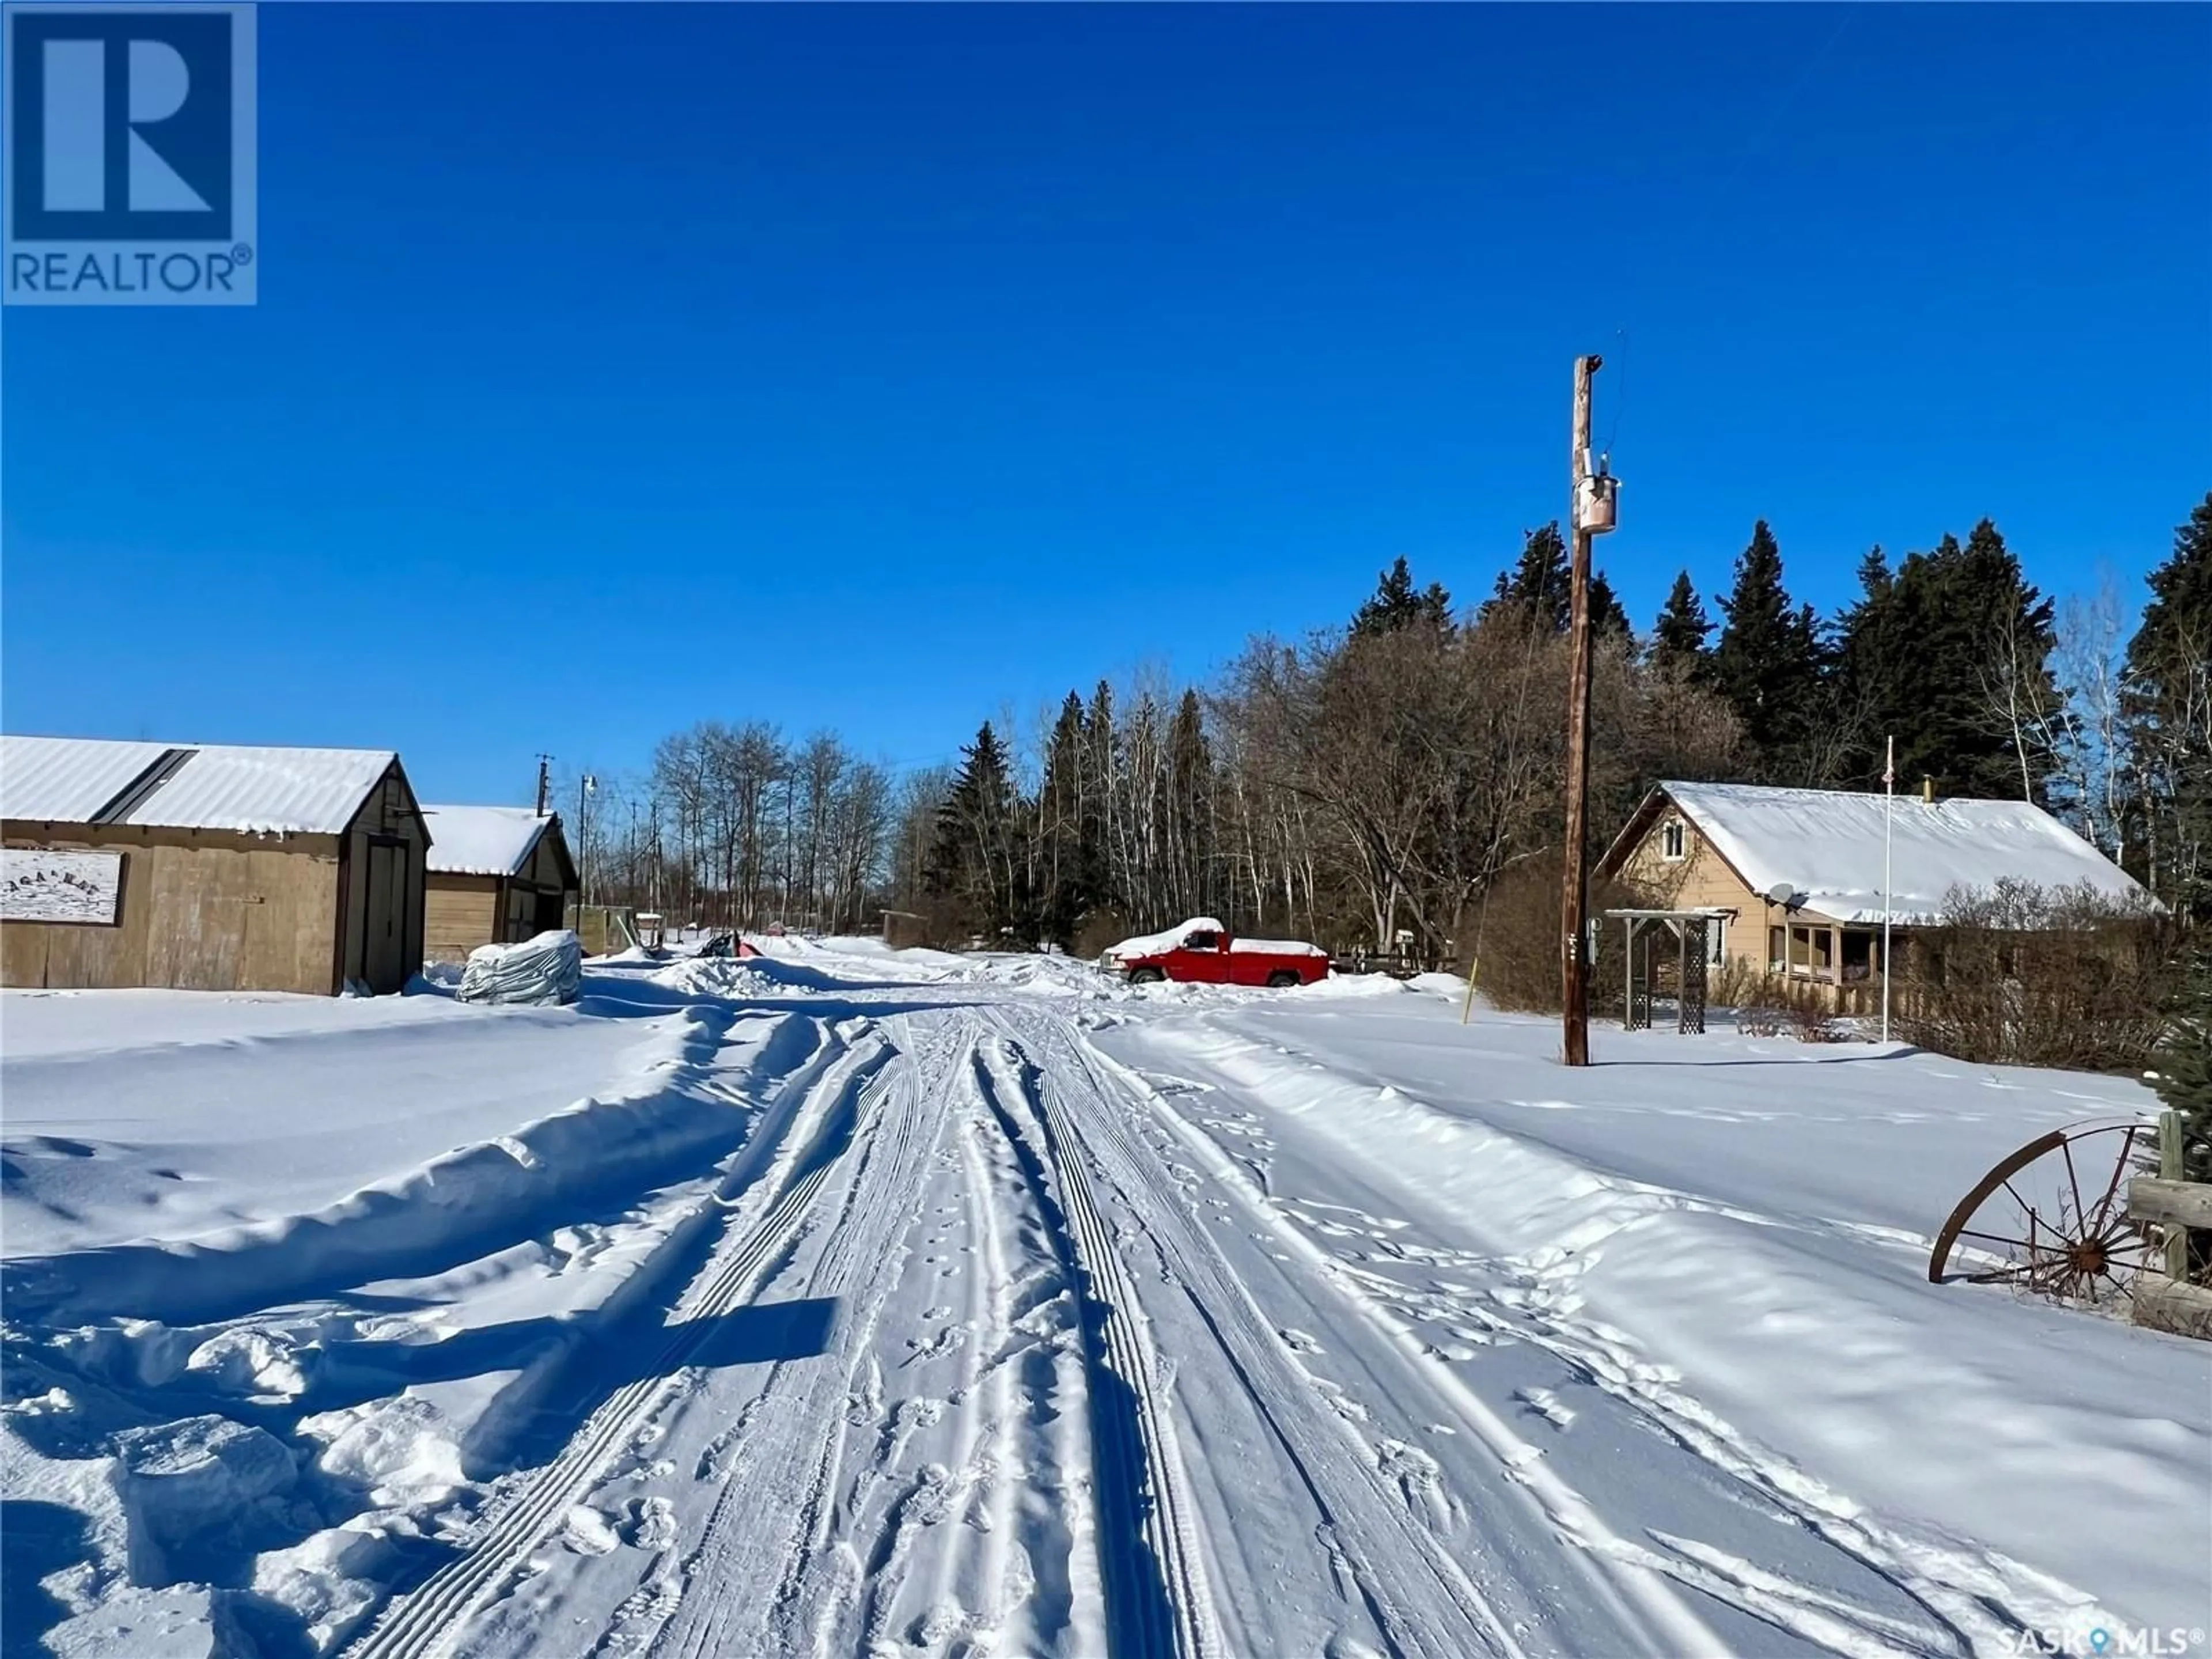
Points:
(497, 875)
(208, 866)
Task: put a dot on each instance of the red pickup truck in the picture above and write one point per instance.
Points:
(1202, 953)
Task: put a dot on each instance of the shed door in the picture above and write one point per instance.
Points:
(386, 963)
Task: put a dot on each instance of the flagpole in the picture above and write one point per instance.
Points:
(1888, 810)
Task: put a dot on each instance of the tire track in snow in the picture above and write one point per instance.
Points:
(977, 1583)
(1423, 1599)
(1975, 1599)
(427, 1621)
(1157, 1603)
(1641, 1596)
(751, 1584)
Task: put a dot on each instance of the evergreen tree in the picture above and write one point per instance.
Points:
(2169, 708)
(1190, 808)
(1398, 604)
(2184, 1067)
(1538, 589)
(1102, 774)
(1608, 616)
(1678, 638)
(1949, 655)
(1770, 660)
(1062, 870)
(1867, 671)
(973, 865)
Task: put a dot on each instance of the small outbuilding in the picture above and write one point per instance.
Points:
(208, 866)
(498, 875)
(904, 929)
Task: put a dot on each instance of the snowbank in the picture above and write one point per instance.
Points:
(1732, 1237)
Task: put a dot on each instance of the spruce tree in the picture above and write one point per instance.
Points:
(1190, 802)
(1397, 603)
(1063, 894)
(1678, 638)
(1101, 800)
(1769, 662)
(1608, 616)
(2168, 704)
(1537, 590)
(973, 865)
(2184, 1067)
(1950, 655)
(1867, 670)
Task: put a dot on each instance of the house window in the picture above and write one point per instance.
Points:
(1717, 941)
(1672, 838)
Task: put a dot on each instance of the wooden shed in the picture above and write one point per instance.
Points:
(208, 867)
(497, 875)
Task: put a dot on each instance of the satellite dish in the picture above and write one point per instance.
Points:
(1781, 893)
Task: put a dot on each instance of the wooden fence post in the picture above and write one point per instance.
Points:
(2169, 1169)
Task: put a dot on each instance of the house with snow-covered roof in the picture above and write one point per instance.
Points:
(207, 867)
(1793, 878)
(497, 875)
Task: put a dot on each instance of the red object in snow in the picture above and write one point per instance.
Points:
(747, 948)
(1204, 952)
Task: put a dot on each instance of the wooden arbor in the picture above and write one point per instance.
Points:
(1652, 936)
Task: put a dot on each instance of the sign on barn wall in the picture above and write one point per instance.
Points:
(39, 885)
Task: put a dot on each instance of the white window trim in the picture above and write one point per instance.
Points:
(1674, 830)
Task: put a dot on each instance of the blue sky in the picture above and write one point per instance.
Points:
(879, 370)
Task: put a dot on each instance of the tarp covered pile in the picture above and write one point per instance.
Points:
(547, 968)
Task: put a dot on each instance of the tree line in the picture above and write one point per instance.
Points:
(1378, 781)
(1385, 779)
(735, 827)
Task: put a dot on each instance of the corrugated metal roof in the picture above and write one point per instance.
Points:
(67, 780)
(482, 840)
(1827, 844)
(249, 790)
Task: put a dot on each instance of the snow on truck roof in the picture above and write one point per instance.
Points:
(1148, 944)
(1827, 844)
(482, 840)
(163, 786)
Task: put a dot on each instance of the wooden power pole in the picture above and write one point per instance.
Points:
(1574, 960)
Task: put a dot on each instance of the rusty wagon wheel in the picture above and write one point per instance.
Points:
(2052, 1217)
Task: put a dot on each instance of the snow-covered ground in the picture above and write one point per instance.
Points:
(841, 1301)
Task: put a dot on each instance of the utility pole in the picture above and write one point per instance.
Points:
(544, 783)
(586, 785)
(1574, 958)
(1888, 906)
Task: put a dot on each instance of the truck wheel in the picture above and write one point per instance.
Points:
(1145, 977)
(1281, 979)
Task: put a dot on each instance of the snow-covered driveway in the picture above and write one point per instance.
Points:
(844, 1304)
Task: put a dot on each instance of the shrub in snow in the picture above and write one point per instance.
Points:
(1514, 934)
(2018, 974)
